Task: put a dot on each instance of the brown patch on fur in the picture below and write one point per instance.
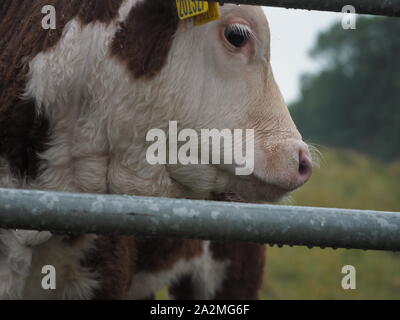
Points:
(145, 39)
(182, 289)
(245, 271)
(243, 278)
(116, 259)
(22, 132)
(73, 240)
(113, 259)
(244, 275)
(155, 255)
(101, 11)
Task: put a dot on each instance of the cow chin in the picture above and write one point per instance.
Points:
(253, 189)
(201, 180)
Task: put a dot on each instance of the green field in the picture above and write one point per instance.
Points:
(345, 180)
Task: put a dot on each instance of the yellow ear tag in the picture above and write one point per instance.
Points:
(191, 8)
(213, 13)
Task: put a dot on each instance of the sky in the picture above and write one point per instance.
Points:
(293, 33)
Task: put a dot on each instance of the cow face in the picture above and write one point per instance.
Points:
(141, 70)
(223, 74)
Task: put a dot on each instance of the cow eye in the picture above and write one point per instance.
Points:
(238, 34)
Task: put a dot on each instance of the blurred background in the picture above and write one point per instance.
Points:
(343, 91)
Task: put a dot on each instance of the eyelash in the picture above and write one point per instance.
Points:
(242, 28)
(236, 30)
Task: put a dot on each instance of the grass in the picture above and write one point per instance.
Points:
(345, 180)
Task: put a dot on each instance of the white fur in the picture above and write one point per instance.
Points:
(72, 280)
(15, 261)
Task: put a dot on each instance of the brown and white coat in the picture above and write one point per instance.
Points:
(75, 104)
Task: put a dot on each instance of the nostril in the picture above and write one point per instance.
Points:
(305, 165)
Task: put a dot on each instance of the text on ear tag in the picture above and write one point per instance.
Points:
(191, 8)
(213, 13)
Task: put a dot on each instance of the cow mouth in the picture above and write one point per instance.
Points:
(255, 189)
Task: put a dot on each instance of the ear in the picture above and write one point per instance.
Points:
(145, 39)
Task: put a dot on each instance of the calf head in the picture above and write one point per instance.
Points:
(222, 74)
(143, 68)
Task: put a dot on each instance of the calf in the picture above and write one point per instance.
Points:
(76, 104)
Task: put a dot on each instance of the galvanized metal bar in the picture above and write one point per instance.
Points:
(374, 7)
(162, 217)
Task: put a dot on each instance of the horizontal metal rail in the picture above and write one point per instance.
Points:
(191, 219)
(374, 7)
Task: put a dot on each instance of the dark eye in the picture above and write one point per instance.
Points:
(237, 35)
